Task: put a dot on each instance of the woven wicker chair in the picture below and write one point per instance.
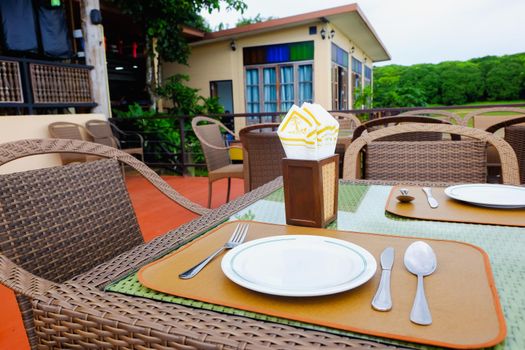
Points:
(102, 132)
(346, 120)
(72, 131)
(515, 136)
(450, 117)
(60, 222)
(376, 124)
(216, 153)
(435, 161)
(492, 113)
(262, 154)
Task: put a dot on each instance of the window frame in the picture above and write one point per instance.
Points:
(277, 66)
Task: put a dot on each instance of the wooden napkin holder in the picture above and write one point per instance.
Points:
(311, 190)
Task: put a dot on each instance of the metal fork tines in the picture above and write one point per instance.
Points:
(238, 236)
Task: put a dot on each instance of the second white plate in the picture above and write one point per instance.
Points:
(299, 265)
(489, 195)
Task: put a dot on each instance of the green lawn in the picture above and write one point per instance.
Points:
(479, 105)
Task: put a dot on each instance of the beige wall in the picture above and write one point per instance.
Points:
(216, 61)
(21, 127)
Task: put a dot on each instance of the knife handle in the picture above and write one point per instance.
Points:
(382, 300)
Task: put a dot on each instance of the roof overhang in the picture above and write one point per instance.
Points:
(349, 19)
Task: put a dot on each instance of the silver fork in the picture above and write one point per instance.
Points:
(238, 236)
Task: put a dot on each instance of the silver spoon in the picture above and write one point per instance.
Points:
(420, 260)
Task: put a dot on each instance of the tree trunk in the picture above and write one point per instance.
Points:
(151, 72)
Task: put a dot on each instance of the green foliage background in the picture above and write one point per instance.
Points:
(490, 78)
(165, 132)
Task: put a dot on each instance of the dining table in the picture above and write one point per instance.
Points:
(361, 209)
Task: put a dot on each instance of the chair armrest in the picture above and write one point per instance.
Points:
(22, 281)
(77, 314)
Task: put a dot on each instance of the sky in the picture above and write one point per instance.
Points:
(417, 31)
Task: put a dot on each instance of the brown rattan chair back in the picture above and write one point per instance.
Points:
(376, 124)
(212, 142)
(482, 118)
(60, 222)
(346, 121)
(216, 153)
(450, 117)
(437, 161)
(72, 131)
(263, 153)
(515, 136)
(101, 131)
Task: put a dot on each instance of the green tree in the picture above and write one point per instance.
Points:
(486, 78)
(363, 97)
(461, 82)
(503, 81)
(425, 79)
(257, 19)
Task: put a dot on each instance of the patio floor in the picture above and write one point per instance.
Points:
(153, 220)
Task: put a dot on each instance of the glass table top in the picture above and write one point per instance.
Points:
(362, 209)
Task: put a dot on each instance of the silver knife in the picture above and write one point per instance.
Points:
(431, 200)
(382, 300)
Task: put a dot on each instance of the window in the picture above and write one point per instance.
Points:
(280, 74)
(357, 72)
(339, 78)
(270, 90)
(252, 91)
(287, 87)
(368, 75)
(306, 84)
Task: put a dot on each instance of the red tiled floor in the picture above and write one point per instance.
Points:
(156, 215)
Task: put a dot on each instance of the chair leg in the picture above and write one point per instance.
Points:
(228, 190)
(209, 193)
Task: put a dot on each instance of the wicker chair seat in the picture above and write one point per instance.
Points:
(230, 170)
(427, 161)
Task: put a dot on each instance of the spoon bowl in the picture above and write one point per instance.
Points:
(420, 260)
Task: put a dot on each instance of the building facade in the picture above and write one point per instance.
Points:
(321, 57)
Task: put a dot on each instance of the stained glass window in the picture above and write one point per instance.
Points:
(290, 52)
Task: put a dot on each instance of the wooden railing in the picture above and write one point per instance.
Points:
(55, 84)
(10, 82)
(160, 153)
(28, 84)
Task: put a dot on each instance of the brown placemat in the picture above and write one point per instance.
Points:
(461, 293)
(450, 209)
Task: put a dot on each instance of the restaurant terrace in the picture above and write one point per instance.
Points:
(278, 211)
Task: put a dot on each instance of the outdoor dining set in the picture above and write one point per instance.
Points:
(420, 242)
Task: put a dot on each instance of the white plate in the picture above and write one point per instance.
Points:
(299, 265)
(489, 195)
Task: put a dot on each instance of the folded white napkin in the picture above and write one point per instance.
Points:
(309, 132)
